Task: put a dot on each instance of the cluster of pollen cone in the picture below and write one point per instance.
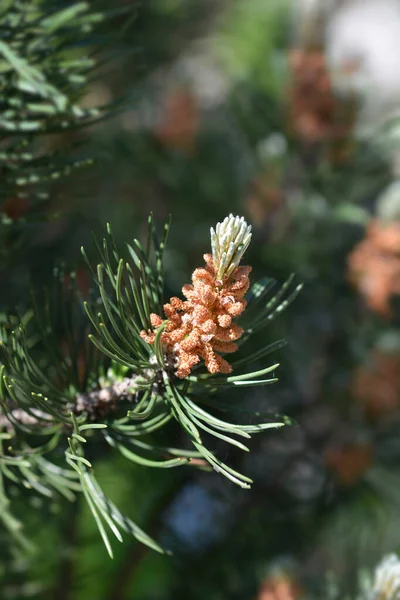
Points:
(202, 326)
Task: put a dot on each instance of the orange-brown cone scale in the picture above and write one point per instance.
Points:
(202, 325)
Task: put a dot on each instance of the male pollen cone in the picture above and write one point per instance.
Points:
(202, 326)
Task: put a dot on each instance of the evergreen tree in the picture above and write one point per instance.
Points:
(113, 117)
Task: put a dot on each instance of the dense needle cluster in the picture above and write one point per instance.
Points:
(202, 326)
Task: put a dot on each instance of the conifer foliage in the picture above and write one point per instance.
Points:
(43, 74)
(118, 387)
(82, 373)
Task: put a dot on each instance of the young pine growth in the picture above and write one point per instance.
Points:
(179, 359)
(202, 326)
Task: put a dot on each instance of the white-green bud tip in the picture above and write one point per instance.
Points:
(386, 583)
(229, 241)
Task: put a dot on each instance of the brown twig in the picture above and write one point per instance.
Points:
(96, 403)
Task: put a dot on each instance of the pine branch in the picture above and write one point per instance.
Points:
(46, 53)
(115, 382)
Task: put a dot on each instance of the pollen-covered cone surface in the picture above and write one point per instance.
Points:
(202, 326)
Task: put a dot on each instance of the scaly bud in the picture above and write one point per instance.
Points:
(229, 241)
